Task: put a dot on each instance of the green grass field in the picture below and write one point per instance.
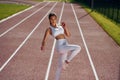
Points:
(9, 9)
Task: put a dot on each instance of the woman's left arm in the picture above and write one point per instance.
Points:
(67, 32)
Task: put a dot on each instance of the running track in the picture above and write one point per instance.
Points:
(20, 41)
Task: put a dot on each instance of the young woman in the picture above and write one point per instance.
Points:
(60, 33)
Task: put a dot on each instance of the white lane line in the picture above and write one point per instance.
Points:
(3, 66)
(88, 53)
(52, 52)
(19, 12)
(22, 21)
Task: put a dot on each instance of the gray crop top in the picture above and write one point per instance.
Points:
(57, 31)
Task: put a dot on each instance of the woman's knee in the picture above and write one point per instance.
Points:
(78, 48)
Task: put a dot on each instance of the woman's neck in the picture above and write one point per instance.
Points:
(54, 25)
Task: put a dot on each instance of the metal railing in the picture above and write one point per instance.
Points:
(109, 8)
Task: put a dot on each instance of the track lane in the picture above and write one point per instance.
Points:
(85, 44)
(53, 47)
(104, 51)
(7, 24)
(26, 18)
(30, 62)
(79, 68)
(10, 42)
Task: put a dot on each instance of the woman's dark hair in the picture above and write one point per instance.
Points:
(52, 14)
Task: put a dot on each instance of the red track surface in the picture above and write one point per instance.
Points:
(29, 63)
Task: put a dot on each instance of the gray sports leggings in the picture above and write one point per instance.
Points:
(63, 48)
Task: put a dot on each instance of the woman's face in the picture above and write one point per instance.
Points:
(53, 20)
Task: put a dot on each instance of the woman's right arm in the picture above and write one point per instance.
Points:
(67, 32)
(47, 33)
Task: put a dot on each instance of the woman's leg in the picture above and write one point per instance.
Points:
(74, 49)
(63, 57)
(61, 62)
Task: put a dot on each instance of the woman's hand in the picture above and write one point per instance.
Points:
(63, 24)
(42, 48)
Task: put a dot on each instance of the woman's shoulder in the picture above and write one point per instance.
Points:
(48, 30)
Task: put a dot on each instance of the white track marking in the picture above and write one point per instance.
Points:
(3, 66)
(52, 52)
(22, 21)
(88, 53)
(19, 13)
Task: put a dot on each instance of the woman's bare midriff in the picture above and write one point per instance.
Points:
(61, 36)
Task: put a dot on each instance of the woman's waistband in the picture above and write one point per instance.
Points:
(61, 40)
